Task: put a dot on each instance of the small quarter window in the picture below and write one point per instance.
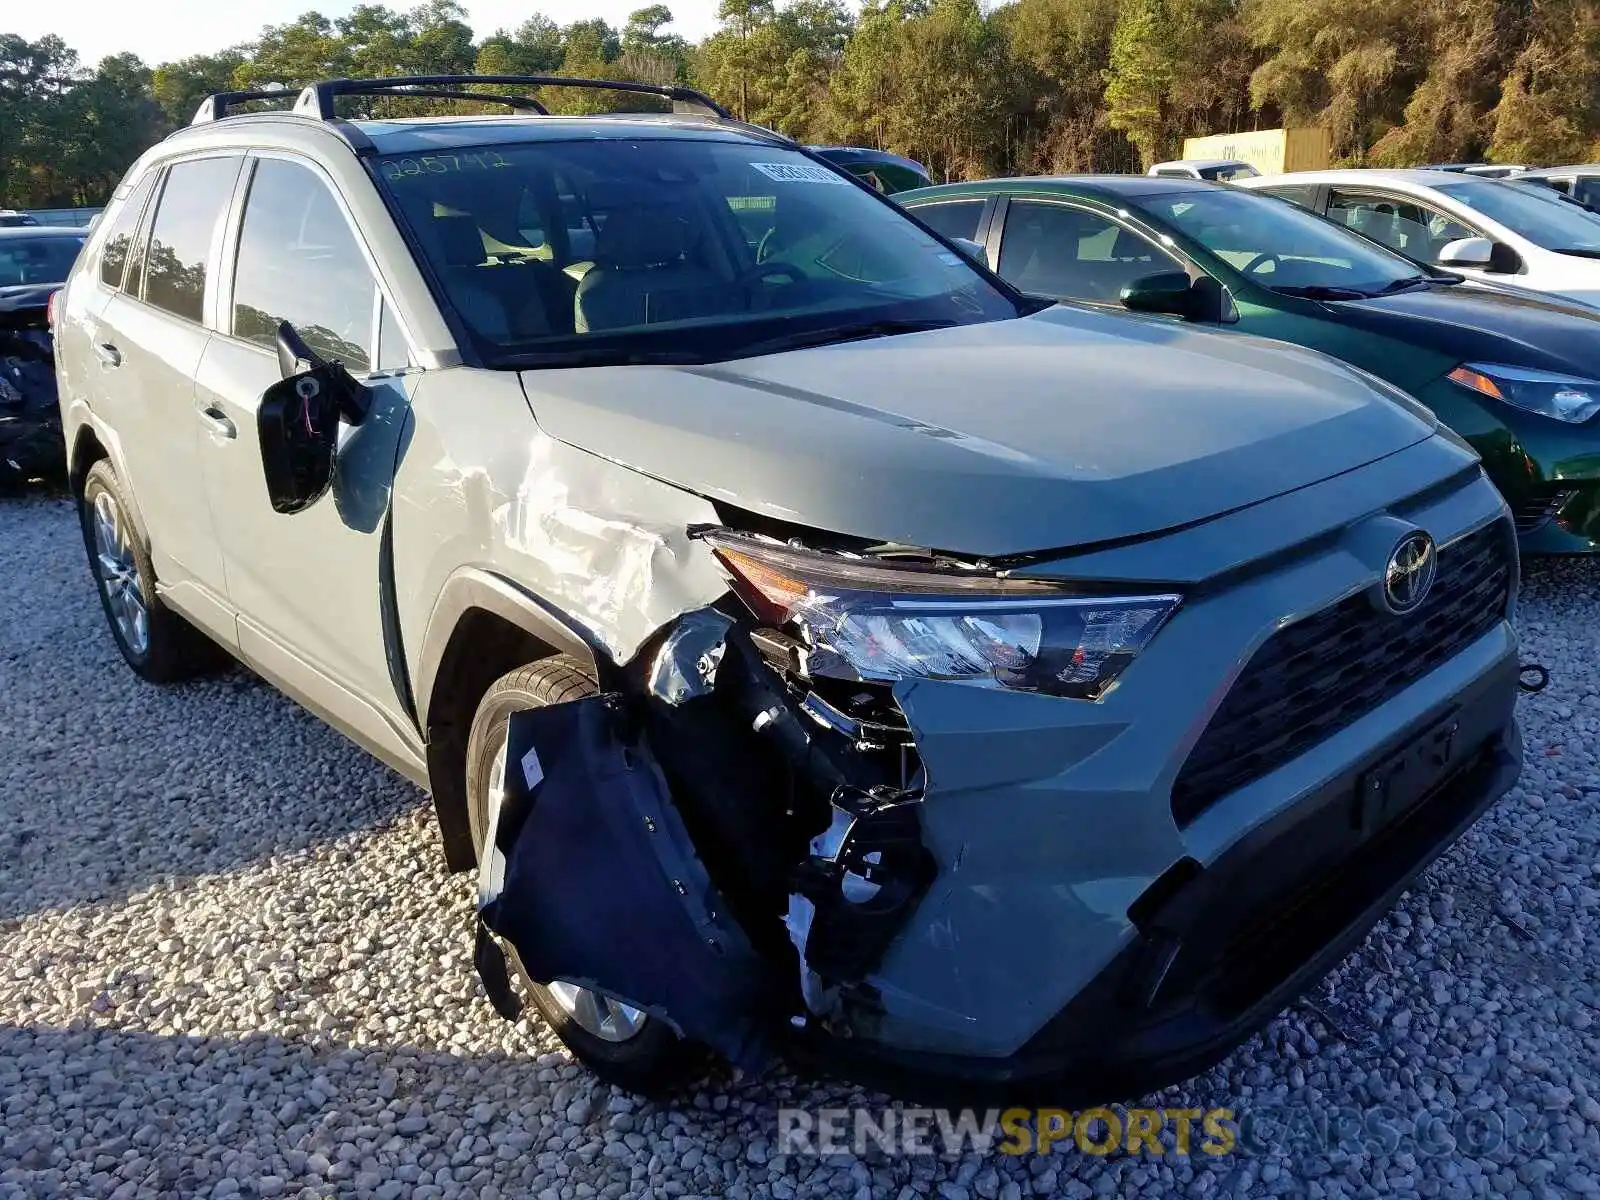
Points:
(118, 247)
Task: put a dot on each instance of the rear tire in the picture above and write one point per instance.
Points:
(156, 642)
(636, 1052)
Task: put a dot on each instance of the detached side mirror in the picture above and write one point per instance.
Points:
(972, 250)
(1466, 252)
(297, 423)
(1173, 292)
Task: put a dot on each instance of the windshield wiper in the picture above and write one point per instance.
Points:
(831, 334)
(1403, 285)
(1321, 291)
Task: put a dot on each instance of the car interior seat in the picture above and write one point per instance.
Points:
(643, 272)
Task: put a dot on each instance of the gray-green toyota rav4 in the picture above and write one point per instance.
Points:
(817, 646)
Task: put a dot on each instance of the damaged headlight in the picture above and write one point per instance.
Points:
(862, 618)
(1564, 397)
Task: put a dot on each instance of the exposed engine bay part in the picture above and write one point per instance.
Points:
(855, 892)
(685, 667)
(590, 874)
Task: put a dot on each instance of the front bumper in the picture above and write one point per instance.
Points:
(1222, 949)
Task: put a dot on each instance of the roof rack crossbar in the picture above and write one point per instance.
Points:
(215, 106)
(317, 99)
(522, 102)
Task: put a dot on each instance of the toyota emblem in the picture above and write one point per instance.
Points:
(1409, 574)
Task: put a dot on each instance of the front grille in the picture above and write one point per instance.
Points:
(1537, 509)
(1316, 676)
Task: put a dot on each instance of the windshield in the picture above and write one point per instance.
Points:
(1543, 220)
(1226, 174)
(30, 260)
(1279, 245)
(669, 250)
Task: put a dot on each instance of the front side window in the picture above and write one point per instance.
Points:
(192, 202)
(1543, 220)
(673, 248)
(118, 247)
(1280, 245)
(299, 262)
(1058, 250)
(36, 260)
(1417, 230)
(953, 218)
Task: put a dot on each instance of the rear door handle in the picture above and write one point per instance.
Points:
(108, 354)
(220, 423)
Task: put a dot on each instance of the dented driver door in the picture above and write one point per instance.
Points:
(309, 587)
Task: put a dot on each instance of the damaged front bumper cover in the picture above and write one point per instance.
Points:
(1215, 951)
(31, 445)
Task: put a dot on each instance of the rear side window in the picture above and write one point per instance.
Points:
(119, 241)
(1299, 193)
(956, 219)
(299, 262)
(191, 207)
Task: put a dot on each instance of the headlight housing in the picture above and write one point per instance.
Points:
(1563, 397)
(869, 619)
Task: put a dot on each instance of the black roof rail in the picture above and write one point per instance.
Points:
(216, 106)
(317, 99)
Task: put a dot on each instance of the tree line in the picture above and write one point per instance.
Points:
(1027, 86)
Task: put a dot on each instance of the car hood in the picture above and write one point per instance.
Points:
(1484, 324)
(1061, 429)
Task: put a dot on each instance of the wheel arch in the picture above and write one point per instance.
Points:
(482, 626)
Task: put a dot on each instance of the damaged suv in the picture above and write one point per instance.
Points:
(816, 646)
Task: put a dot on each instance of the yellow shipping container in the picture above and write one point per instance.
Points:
(1270, 151)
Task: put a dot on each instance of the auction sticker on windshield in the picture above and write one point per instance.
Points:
(799, 173)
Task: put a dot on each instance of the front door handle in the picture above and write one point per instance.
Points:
(220, 423)
(108, 354)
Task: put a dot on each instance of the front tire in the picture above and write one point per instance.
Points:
(156, 642)
(621, 1045)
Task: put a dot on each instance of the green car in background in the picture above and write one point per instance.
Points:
(1516, 373)
(878, 169)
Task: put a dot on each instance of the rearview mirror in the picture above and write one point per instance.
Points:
(1466, 252)
(1173, 292)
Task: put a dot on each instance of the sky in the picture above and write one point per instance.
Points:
(162, 30)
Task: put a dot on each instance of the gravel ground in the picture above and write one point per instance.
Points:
(231, 964)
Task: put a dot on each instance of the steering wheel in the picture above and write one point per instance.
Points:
(1267, 256)
(765, 243)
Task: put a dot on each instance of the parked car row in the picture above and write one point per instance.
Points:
(819, 639)
(34, 260)
(1514, 371)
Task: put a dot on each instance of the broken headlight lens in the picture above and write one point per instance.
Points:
(865, 618)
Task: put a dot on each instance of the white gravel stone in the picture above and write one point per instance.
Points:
(231, 964)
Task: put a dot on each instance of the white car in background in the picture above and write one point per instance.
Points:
(1218, 170)
(1485, 229)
